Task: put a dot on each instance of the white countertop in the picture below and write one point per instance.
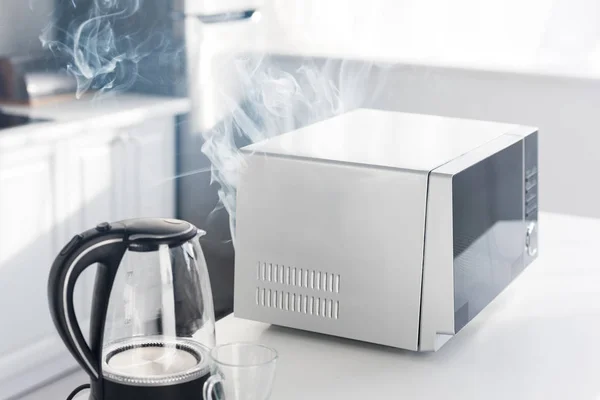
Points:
(72, 116)
(122, 105)
(537, 340)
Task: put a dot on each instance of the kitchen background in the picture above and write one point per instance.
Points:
(132, 145)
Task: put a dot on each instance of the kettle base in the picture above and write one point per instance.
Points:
(190, 390)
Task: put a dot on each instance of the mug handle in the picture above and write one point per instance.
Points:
(209, 386)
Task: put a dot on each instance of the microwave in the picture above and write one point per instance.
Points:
(384, 227)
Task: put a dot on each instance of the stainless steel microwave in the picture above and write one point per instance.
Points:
(385, 227)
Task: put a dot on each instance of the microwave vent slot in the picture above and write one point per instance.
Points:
(287, 275)
(297, 303)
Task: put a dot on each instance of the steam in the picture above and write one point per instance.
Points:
(105, 44)
(277, 98)
(100, 58)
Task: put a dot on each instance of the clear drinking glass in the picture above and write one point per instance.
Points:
(241, 371)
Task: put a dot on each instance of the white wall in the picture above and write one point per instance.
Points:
(514, 61)
(565, 110)
(508, 34)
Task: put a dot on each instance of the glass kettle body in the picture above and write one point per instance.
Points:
(152, 320)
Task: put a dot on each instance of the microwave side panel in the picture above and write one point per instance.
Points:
(331, 248)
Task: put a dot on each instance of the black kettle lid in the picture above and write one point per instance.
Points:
(144, 234)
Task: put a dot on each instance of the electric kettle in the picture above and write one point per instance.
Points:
(152, 319)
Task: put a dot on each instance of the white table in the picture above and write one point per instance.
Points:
(539, 339)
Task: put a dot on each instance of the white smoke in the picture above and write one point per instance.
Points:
(280, 95)
(101, 59)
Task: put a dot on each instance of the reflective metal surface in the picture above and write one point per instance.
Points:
(421, 218)
(385, 139)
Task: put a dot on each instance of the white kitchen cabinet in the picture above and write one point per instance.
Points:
(86, 193)
(155, 173)
(50, 190)
(28, 242)
(84, 180)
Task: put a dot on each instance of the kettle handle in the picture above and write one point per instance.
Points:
(94, 246)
